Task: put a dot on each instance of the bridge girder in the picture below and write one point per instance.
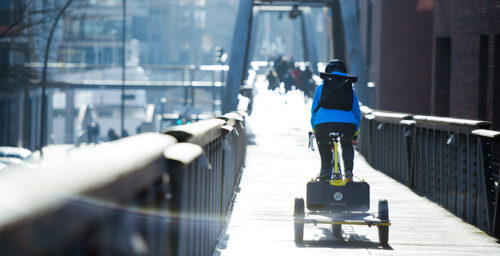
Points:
(291, 2)
(347, 45)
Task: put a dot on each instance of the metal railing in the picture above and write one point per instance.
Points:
(450, 161)
(140, 76)
(149, 194)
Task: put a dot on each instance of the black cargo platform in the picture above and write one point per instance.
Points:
(338, 202)
(347, 197)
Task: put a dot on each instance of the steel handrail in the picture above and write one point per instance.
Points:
(137, 195)
(453, 162)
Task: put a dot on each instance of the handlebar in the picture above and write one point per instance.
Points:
(311, 144)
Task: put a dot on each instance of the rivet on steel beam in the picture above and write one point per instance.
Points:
(169, 196)
(165, 178)
(451, 139)
(407, 133)
(205, 163)
(225, 146)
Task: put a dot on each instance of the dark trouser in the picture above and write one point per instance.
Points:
(322, 132)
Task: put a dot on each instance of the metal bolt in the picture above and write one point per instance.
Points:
(165, 178)
(169, 196)
(451, 139)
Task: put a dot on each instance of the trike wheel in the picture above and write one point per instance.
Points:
(383, 214)
(337, 230)
(298, 214)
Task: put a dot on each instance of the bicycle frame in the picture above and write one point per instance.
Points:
(336, 175)
(335, 158)
(336, 180)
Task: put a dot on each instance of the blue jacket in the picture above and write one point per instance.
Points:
(324, 115)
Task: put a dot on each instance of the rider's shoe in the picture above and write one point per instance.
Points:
(348, 175)
(323, 177)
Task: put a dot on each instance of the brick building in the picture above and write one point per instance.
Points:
(466, 74)
(397, 45)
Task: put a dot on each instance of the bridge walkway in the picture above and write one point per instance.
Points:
(278, 165)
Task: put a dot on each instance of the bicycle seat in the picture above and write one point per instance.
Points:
(335, 135)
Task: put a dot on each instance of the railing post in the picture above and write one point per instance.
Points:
(409, 135)
(183, 197)
(472, 179)
(488, 211)
(438, 183)
(191, 87)
(186, 87)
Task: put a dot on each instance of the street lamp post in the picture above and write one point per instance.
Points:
(43, 114)
(124, 26)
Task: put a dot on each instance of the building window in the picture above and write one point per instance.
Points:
(156, 20)
(4, 55)
(441, 101)
(199, 18)
(75, 28)
(369, 21)
(88, 29)
(184, 21)
(200, 3)
(496, 83)
(483, 77)
(156, 50)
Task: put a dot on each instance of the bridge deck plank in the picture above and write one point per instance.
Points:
(278, 165)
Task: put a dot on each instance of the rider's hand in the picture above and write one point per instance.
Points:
(355, 139)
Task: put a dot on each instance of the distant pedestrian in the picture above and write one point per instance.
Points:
(93, 131)
(112, 135)
(307, 80)
(296, 75)
(272, 79)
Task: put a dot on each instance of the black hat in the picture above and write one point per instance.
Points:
(335, 65)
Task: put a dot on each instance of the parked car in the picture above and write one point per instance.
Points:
(17, 157)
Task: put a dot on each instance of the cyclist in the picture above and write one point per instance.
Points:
(335, 108)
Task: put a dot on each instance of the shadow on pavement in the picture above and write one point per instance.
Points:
(348, 240)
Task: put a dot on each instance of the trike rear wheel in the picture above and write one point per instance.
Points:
(337, 230)
(298, 214)
(383, 214)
